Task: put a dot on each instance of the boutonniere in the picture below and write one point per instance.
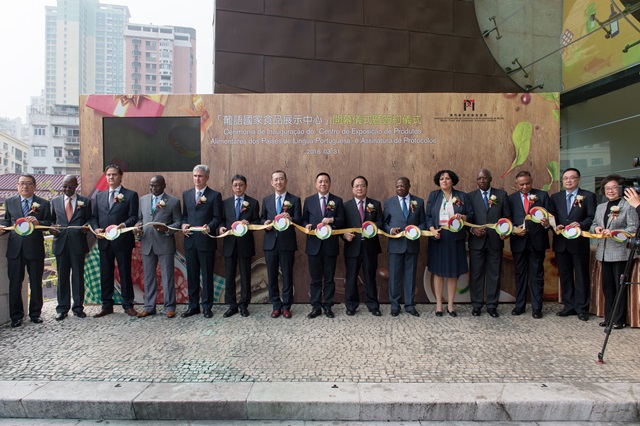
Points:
(370, 208)
(119, 198)
(34, 207)
(245, 206)
(456, 201)
(160, 204)
(493, 201)
(578, 201)
(533, 197)
(413, 205)
(202, 200)
(286, 206)
(331, 205)
(615, 211)
(79, 204)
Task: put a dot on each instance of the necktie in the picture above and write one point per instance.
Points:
(69, 209)
(485, 199)
(569, 203)
(361, 210)
(198, 195)
(405, 211)
(279, 204)
(25, 207)
(238, 206)
(323, 205)
(154, 204)
(526, 203)
(112, 194)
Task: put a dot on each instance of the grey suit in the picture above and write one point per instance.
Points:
(159, 247)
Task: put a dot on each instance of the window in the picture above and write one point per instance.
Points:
(580, 163)
(39, 170)
(39, 130)
(597, 161)
(18, 168)
(5, 146)
(57, 151)
(39, 151)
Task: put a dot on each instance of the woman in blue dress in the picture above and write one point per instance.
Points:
(447, 257)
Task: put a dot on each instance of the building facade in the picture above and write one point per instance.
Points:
(13, 154)
(55, 140)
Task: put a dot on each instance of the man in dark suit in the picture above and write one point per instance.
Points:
(202, 208)
(361, 252)
(322, 208)
(280, 246)
(529, 242)
(158, 245)
(70, 246)
(25, 251)
(116, 206)
(401, 211)
(238, 251)
(485, 247)
(573, 207)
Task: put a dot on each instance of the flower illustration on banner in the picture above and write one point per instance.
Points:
(160, 204)
(202, 200)
(119, 198)
(370, 208)
(245, 206)
(533, 197)
(34, 207)
(286, 206)
(578, 201)
(331, 205)
(79, 204)
(493, 201)
(456, 201)
(615, 211)
(413, 205)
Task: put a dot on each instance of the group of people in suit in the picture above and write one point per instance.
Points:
(156, 216)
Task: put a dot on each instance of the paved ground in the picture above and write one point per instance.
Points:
(359, 349)
(39, 422)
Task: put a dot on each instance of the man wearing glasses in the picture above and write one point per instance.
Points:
(70, 246)
(573, 207)
(25, 251)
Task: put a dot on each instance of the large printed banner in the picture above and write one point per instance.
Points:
(380, 136)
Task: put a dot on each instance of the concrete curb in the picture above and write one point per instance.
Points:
(617, 402)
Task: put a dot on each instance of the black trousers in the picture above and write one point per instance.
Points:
(611, 272)
(244, 265)
(322, 269)
(70, 282)
(280, 260)
(108, 257)
(16, 272)
(484, 267)
(200, 263)
(369, 265)
(575, 281)
(529, 265)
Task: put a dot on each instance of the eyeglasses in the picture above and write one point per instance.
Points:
(68, 187)
(611, 188)
(25, 183)
(571, 178)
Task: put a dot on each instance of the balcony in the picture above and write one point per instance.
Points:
(73, 140)
(136, 75)
(136, 64)
(73, 159)
(136, 87)
(136, 41)
(136, 52)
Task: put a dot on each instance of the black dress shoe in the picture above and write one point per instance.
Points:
(537, 314)
(36, 320)
(602, 323)
(376, 312)
(452, 313)
(583, 317)
(16, 323)
(476, 312)
(190, 312)
(395, 312)
(517, 311)
(230, 312)
(493, 312)
(414, 313)
(351, 312)
(244, 312)
(438, 313)
(208, 313)
(315, 313)
(80, 314)
(566, 313)
(329, 313)
(618, 326)
(61, 316)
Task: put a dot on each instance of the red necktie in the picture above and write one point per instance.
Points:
(69, 209)
(526, 203)
(361, 210)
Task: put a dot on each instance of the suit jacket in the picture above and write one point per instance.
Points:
(312, 215)
(125, 211)
(245, 245)
(32, 245)
(394, 218)
(583, 213)
(170, 215)
(287, 238)
(208, 213)
(627, 220)
(434, 204)
(72, 240)
(498, 210)
(536, 234)
(371, 246)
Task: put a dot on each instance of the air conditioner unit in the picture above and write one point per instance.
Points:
(59, 160)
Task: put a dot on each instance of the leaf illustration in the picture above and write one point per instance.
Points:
(522, 142)
(551, 97)
(554, 171)
(556, 115)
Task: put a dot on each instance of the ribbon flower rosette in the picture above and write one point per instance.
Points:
(202, 200)
(578, 201)
(286, 206)
(493, 201)
(413, 205)
(245, 206)
(370, 208)
(615, 211)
